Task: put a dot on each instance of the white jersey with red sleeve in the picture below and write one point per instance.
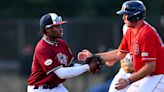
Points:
(146, 46)
(47, 58)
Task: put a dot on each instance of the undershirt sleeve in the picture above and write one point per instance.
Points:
(69, 72)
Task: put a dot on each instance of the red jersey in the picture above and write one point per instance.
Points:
(146, 46)
(48, 57)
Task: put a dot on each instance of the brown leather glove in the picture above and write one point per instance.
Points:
(95, 63)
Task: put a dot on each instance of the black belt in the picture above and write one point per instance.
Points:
(46, 86)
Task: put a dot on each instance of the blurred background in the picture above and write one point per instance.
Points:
(93, 24)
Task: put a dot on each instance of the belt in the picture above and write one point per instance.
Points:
(45, 87)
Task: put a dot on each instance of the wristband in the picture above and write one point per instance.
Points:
(128, 81)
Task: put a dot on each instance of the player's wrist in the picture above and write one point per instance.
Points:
(128, 81)
(87, 67)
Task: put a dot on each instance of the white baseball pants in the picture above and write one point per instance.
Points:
(120, 74)
(153, 83)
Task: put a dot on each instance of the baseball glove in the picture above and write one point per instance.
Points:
(95, 63)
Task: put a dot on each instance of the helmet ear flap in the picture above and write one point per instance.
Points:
(140, 15)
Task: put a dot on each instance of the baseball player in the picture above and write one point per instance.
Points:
(146, 47)
(52, 58)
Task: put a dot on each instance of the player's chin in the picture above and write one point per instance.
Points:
(58, 36)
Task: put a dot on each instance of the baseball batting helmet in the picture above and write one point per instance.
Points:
(135, 9)
(51, 19)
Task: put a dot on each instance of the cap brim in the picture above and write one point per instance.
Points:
(59, 23)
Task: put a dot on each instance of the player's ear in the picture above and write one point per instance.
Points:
(48, 29)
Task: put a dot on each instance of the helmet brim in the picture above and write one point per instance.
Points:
(59, 23)
(122, 12)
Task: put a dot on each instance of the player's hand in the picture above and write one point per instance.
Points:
(122, 83)
(83, 55)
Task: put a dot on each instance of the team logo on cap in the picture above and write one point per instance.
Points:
(48, 62)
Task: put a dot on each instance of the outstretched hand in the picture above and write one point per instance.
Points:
(82, 56)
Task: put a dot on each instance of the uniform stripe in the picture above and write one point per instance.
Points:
(71, 59)
(54, 69)
(158, 83)
(148, 58)
(44, 38)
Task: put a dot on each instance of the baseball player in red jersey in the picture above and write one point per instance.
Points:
(51, 58)
(146, 47)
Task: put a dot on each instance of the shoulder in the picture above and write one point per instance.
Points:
(149, 31)
(41, 46)
(62, 41)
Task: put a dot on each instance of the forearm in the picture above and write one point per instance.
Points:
(69, 72)
(147, 69)
(111, 56)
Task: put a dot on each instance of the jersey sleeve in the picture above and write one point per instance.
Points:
(148, 49)
(47, 60)
(124, 44)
